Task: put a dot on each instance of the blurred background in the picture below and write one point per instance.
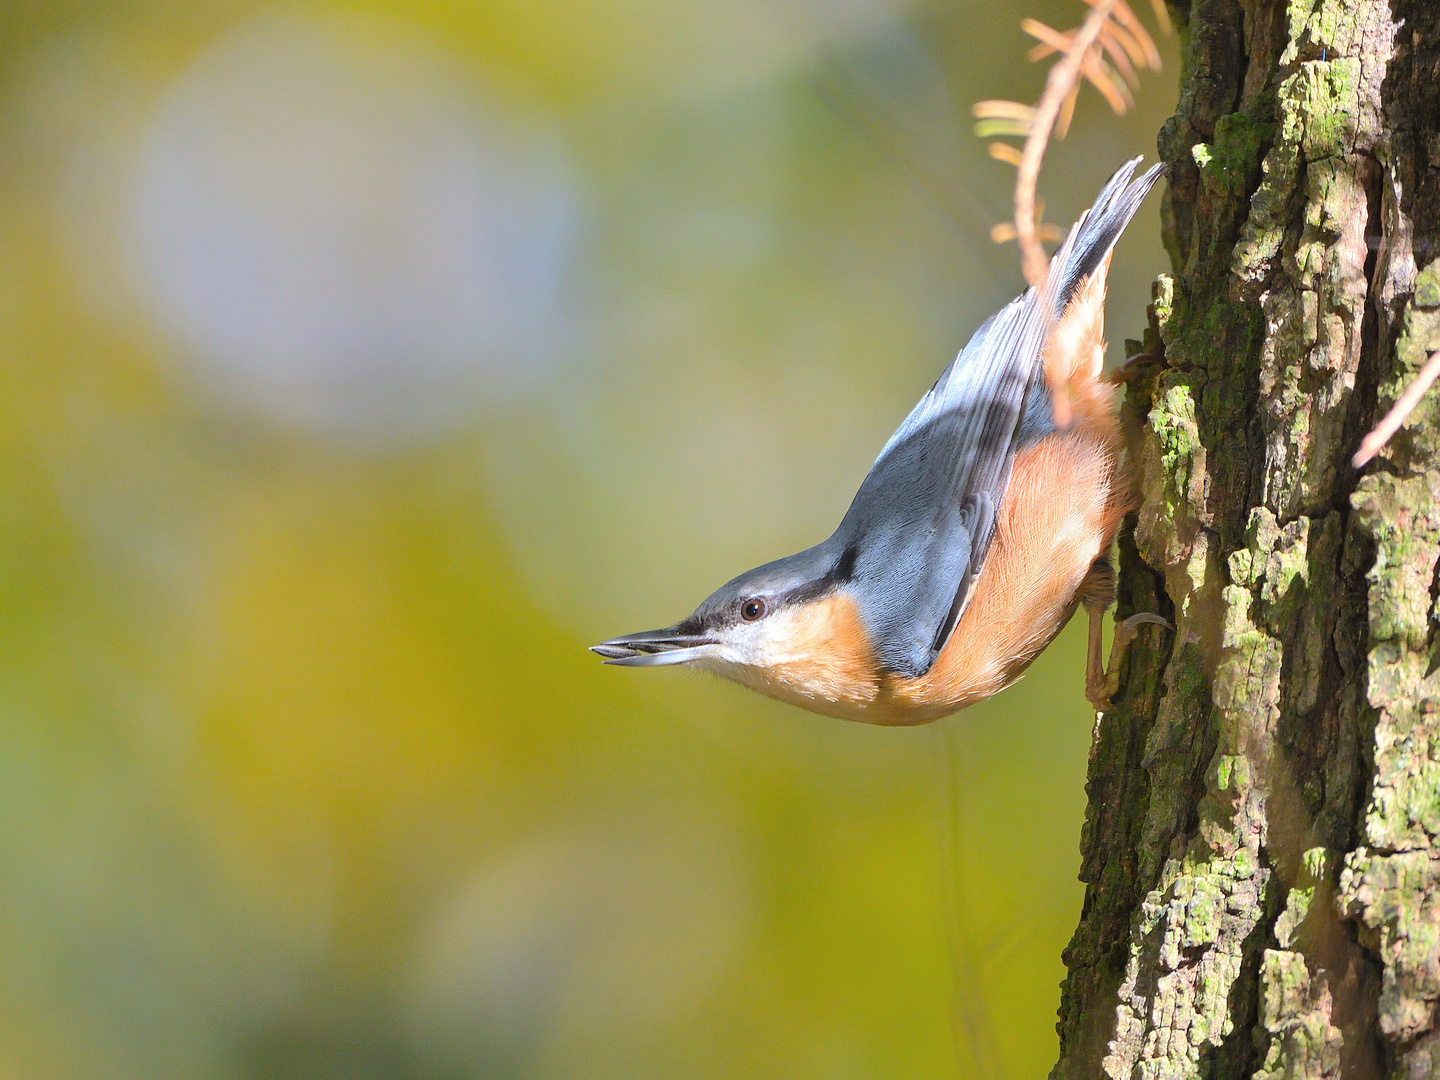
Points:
(360, 364)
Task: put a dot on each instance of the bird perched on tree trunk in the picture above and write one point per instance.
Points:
(979, 530)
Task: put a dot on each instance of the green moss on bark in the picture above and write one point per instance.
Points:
(1262, 845)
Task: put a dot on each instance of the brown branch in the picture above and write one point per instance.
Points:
(1003, 151)
(1162, 16)
(1110, 30)
(1138, 53)
(1398, 413)
(1131, 22)
(1116, 48)
(1058, 84)
(1067, 113)
(1091, 65)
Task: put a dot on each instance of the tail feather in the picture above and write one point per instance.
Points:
(919, 528)
(1092, 237)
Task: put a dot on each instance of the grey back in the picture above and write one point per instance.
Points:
(920, 526)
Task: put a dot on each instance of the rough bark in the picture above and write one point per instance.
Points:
(1262, 845)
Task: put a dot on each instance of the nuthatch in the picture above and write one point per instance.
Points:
(979, 530)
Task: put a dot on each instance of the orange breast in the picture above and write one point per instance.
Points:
(1061, 512)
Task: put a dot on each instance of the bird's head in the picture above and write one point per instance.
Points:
(744, 622)
(789, 629)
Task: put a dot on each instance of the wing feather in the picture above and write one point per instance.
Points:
(922, 522)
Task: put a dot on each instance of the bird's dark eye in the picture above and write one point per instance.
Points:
(752, 609)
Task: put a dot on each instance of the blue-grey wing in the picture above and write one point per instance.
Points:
(921, 524)
(922, 521)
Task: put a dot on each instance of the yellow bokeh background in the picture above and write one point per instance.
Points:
(360, 364)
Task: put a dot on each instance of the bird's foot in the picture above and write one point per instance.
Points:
(1130, 367)
(1101, 683)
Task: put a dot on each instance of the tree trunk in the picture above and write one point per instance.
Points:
(1262, 845)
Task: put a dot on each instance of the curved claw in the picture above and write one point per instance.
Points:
(1131, 366)
(1143, 618)
(1101, 684)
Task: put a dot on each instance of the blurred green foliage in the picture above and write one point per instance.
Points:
(304, 770)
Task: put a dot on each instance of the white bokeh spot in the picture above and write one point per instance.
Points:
(343, 232)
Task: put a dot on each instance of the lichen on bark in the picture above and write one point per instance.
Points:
(1262, 844)
(1391, 884)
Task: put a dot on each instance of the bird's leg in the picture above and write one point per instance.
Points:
(1097, 593)
(1129, 368)
(1095, 681)
(1101, 684)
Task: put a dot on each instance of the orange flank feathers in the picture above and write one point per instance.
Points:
(1061, 511)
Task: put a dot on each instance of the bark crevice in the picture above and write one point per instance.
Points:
(1262, 845)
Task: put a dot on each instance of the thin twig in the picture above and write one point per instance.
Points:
(1115, 46)
(1058, 84)
(1092, 66)
(1067, 112)
(1162, 16)
(1003, 151)
(968, 1012)
(1398, 413)
(1126, 18)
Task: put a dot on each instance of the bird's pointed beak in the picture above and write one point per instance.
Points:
(654, 648)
